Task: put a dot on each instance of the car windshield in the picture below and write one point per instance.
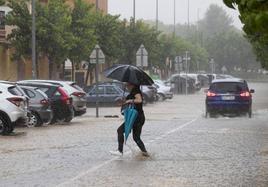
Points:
(228, 87)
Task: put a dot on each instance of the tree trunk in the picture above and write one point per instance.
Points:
(63, 71)
(50, 67)
(73, 68)
(20, 70)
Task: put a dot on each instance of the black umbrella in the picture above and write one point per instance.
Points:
(128, 73)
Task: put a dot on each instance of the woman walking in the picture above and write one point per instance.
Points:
(135, 98)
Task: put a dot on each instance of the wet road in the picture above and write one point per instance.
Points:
(186, 149)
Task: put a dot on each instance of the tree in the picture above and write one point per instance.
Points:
(230, 49)
(82, 28)
(135, 34)
(2, 2)
(20, 37)
(253, 13)
(107, 31)
(54, 38)
(216, 20)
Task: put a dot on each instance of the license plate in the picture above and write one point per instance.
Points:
(228, 98)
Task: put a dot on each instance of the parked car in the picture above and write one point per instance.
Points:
(163, 91)
(39, 106)
(218, 76)
(13, 108)
(149, 94)
(61, 103)
(229, 96)
(178, 84)
(194, 78)
(73, 90)
(204, 80)
(109, 94)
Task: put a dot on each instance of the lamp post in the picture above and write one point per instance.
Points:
(174, 31)
(97, 5)
(156, 24)
(186, 59)
(33, 41)
(97, 57)
(188, 14)
(134, 10)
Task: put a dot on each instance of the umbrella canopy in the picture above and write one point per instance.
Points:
(128, 73)
(130, 115)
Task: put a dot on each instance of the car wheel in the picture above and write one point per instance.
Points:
(5, 126)
(34, 120)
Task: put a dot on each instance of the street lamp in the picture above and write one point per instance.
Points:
(186, 59)
(97, 5)
(33, 41)
(134, 10)
(174, 31)
(156, 24)
(188, 16)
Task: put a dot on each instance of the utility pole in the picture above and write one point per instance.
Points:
(157, 19)
(186, 72)
(97, 81)
(174, 31)
(134, 10)
(188, 16)
(33, 41)
(97, 5)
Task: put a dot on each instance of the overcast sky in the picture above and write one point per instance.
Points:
(145, 9)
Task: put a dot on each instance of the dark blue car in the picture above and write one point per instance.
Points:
(109, 94)
(230, 96)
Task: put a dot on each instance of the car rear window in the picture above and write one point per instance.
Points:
(29, 93)
(74, 85)
(228, 87)
(15, 91)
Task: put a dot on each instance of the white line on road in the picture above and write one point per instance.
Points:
(95, 168)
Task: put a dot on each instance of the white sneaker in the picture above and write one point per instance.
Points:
(116, 153)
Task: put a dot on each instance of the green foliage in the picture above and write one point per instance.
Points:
(135, 34)
(82, 29)
(254, 16)
(64, 33)
(53, 34)
(216, 20)
(2, 2)
(20, 37)
(107, 29)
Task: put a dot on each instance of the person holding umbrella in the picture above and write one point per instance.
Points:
(134, 77)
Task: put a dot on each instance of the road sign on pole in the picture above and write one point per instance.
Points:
(97, 57)
(142, 57)
(186, 58)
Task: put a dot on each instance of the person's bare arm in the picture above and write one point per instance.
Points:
(137, 100)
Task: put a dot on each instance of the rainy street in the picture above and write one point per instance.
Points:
(186, 149)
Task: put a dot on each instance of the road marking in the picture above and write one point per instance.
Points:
(95, 168)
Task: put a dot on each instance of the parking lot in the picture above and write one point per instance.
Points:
(186, 149)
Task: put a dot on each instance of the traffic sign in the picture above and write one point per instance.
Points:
(100, 56)
(142, 57)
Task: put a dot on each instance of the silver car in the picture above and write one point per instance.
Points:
(78, 95)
